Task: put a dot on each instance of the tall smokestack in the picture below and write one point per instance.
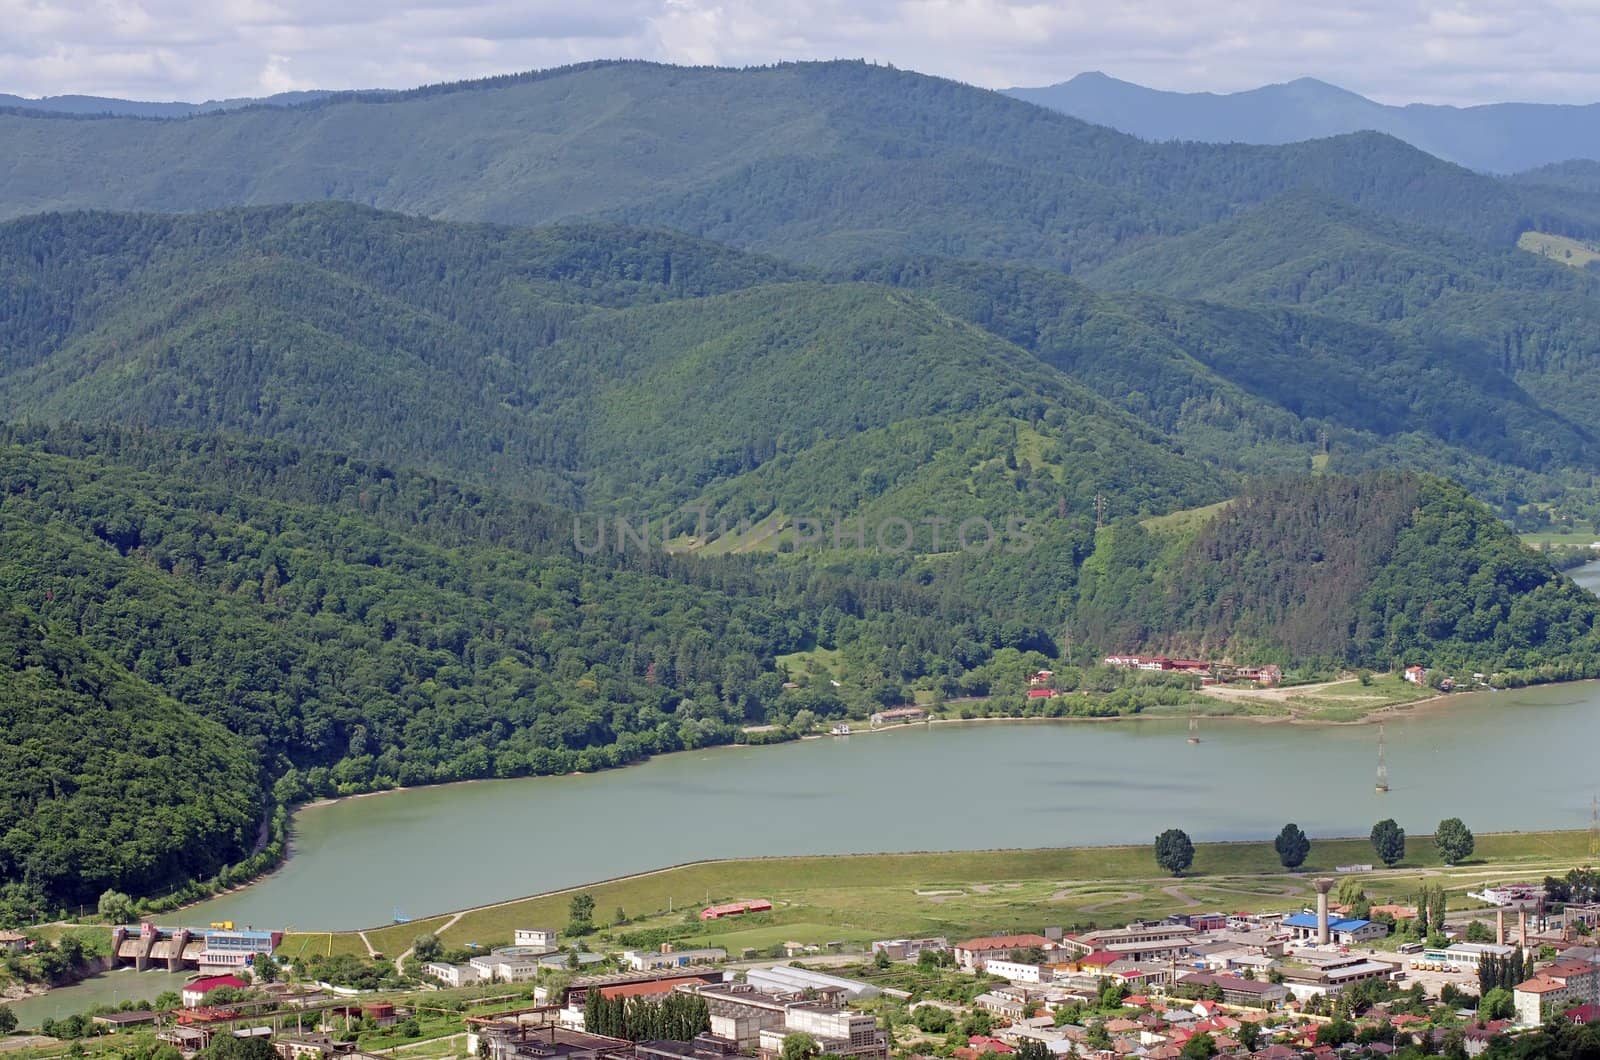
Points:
(1323, 886)
(1500, 927)
(1522, 927)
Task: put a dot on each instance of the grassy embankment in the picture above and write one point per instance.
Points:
(856, 898)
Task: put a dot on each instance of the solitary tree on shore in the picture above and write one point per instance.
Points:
(1174, 851)
(1292, 846)
(1389, 840)
(1454, 841)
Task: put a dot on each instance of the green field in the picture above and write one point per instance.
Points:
(1574, 252)
(1552, 537)
(859, 897)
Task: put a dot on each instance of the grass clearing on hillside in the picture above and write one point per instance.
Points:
(1185, 523)
(1574, 252)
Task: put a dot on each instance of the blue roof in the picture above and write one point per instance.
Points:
(1309, 920)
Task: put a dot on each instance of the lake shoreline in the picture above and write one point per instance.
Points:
(1156, 722)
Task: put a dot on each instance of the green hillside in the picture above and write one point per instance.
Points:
(163, 796)
(1265, 389)
(1380, 570)
(824, 162)
(596, 367)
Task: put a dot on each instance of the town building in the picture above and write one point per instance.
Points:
(311, 1047)
(543, 939)
(1345, 932)
(226, 948)
(520, 1040)
(667, 957)
(973, 954)
(837, 1032)
(562, 961)
(1467, 955)
(1019, 971)
(194, 993)
(119, 1021)
(1323, 974)
(909, 949)
(1236, 990)
(727, 909)
(452, 974)
(508, 964)
(1556, 988)
(1142, 942)
(13, 942)
(898, 715)
(785, 978)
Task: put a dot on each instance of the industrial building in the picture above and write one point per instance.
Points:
(786, 979)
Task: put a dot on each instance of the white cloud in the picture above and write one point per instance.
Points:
(1459, 51)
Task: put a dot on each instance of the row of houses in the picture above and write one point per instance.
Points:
(1208, 671)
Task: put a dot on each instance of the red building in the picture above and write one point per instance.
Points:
(717, 912)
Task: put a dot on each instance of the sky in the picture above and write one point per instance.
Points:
(1396, 51)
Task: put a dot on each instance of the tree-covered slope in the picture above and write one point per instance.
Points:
(363, 626)
(1575, 175)
(1383, 569)
(817, 161)
(106, 781)
(593, 366)
(1474, 310)
(1258, 388)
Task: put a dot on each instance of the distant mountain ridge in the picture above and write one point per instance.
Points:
(1494, 137)
(108, 106)
(822, 163)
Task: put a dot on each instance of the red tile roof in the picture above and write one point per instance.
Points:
(213, 982)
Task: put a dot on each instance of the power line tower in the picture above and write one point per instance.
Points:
(1099, 510)
(1383, 765)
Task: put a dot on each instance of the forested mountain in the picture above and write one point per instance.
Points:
(1494, 137)
(66, 830)
(823, 162)
(1377, 570)
(1264, 389)
(1576, 175)
(1513, 319)
(595, 366)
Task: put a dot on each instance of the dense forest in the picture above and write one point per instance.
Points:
(1379, 570)
(572, 365)
(66, 830)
